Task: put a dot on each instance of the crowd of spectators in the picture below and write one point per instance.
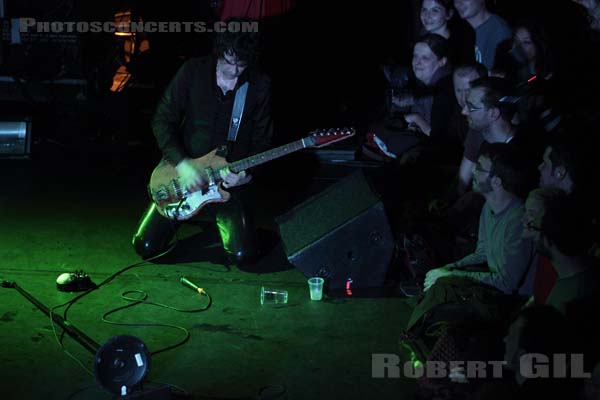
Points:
(485, 99)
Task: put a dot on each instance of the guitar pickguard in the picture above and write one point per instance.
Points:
(192, 203)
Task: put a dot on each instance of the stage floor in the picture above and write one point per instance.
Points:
(77, 208)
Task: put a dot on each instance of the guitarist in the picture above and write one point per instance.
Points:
(193, 118)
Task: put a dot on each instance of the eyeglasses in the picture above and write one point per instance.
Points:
(471, 108)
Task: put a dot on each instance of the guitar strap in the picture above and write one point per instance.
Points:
(236, 114)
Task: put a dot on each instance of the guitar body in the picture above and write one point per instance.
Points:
(173, 201)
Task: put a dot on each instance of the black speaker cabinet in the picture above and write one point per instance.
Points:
(342, 234)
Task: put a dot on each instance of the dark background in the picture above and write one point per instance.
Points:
(324, 58)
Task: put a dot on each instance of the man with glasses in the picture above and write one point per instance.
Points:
(193, 118)
(463, 79)
(490, 108)
(499, 175)
(489, 120)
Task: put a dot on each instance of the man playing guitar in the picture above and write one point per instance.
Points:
(192, 118)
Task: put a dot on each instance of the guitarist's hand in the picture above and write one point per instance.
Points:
(231, 179)
(189, 176)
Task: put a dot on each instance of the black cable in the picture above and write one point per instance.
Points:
(113, 276)
(143, 299)
(69, 303)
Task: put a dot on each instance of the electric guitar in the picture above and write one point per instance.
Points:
(173, 201)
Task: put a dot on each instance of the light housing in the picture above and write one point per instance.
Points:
(15, 137)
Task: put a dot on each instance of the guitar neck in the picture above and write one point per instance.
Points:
(267, 156)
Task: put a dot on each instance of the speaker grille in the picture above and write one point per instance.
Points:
(325, 212)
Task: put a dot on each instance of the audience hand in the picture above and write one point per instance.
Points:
(435, 274)
(418, 121)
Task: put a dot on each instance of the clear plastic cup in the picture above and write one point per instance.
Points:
(316, 288)
(273, 296)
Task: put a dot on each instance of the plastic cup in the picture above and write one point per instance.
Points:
(273, 296)
(316, 288)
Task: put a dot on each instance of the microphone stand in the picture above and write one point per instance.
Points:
(84, 340)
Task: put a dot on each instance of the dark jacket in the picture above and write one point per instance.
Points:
(193, 115)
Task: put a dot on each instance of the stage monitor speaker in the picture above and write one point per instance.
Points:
(342, 234)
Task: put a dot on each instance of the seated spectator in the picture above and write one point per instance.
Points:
(431, 68)
(532, 51)
(565, 237)
(546, 275)
(490, 109)
(530, 66)
(437, 16)
(568, 163)
(511, 262)
(462, 78)
(490, 29)
(563, 164)
(429, 105)
(489, 118)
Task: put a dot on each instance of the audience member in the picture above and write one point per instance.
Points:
(430, 104)
(565, 237)
(511, 263)
(546, 275)
(563, 164)
(462, 77)
(437, 16)
(532, 51)
(490, 29)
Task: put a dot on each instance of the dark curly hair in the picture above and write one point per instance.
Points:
(245, 45)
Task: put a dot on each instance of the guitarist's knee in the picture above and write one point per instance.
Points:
(243, 258)
(154, 234)
(145, 248)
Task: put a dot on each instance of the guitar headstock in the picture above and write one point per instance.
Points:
(325, 137)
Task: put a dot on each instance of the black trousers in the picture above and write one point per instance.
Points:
(233, 218)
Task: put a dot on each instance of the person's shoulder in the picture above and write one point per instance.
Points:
(500, 24)
(259, 76)
(515, 211)
(259, 79)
